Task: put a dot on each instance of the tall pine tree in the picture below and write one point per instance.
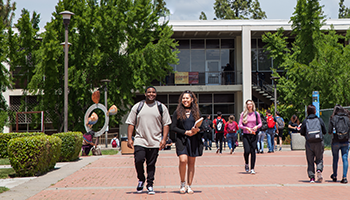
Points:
(238, 9)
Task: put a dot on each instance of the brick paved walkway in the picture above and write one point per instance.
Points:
(281, 175)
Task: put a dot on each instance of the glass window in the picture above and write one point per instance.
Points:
(225, 109)
(162, 98)
(183, 44)
(174, 98)
(197, 60)
(264, 60)
(213, 54)
(184, 61)
(225, 57)
(197, 44)
(224, 98)
(261, 44)
(213, 44)
(228, 43)
(205, 108)
(253, 43)
(254, 55)
(205, 98)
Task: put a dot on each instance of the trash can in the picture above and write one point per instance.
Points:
(298, 142)
(124, 146)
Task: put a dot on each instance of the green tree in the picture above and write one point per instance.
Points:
(161, 9)
(5, 80)
(120, 40)
(316, 61)
(238, 9)
(203, 16)
(7, 12)
(344, 12)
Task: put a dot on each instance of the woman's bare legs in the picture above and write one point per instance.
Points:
(182, 166)
(190, 170)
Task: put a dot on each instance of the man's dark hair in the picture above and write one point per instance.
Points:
(219, 113)
(115, 135)
(268, 111)
(311, 109)
(150, 87)
(277, 113)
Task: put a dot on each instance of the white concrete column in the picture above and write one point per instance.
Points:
(238, 59)
(6, 95)
(246, 66)
(238, 105)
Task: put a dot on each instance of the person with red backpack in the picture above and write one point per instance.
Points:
(230, 132)
(272, 126)
(219, 126)
(115, 142)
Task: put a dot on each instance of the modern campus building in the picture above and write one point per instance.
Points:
(206, 47)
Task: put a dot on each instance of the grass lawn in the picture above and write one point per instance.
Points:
(4, 173)
(3, 189)
(4, 161)
(107, 152)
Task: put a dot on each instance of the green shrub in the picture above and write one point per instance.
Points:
(71, 145)
(5, 137)
(34, 155)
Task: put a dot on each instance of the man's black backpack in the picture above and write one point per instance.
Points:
(342, 128)
(264, 123)
(220, 126)
(313, 130)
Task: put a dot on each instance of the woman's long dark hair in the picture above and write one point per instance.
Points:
(180, 110)
(338, 109)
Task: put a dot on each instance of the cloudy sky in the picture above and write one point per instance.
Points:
(190, 9)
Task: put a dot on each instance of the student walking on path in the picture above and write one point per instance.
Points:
(219, 126)
(207, 126)
(188, 143)
(339, 126)
(261, 134)
(280, 125)
(231, 128)
(313, 129)
(249, 122)
(150, 118)
(270, 132)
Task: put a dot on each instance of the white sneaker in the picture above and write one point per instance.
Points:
(252, 171)
(183, 188)
(189, 190)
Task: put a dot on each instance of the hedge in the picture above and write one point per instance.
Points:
(71, 145)
(5, 137)
(34, 155)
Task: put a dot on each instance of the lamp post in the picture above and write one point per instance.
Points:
(66, 19)
(106, 81)
(274, 79)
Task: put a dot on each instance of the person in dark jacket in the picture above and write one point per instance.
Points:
(340, 142)
(207, 132)
(188, 143)
(313, 150)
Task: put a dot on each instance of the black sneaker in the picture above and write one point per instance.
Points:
(334, 178)
(150, 190)
(344, 180)
(139, 187)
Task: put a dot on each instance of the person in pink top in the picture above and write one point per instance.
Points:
(231, 128)
(249, 122)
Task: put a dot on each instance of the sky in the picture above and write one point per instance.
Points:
(188, 9)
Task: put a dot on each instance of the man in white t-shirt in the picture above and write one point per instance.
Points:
(151, 121)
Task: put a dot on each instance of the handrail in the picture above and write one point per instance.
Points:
(263, 85)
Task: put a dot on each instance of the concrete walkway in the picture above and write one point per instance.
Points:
(279, 175)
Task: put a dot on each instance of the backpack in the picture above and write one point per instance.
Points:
(270, 122)
(313, 130)
(114, 143)
(231, 127)
(342, 129)
(220, 125)
(264, 123)
(280, 122)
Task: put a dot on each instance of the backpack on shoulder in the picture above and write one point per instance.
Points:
(342, 129)
(264, 126)
(231, 127)
(219, 125)
(280, 122)
(270, 122)
(313, 130)
(114, 143)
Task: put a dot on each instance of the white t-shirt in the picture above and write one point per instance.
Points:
(149, 124)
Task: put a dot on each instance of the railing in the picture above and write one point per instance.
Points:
(202, 78)
(262, 85)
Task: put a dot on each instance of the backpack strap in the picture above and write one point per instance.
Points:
(159, 105)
